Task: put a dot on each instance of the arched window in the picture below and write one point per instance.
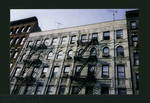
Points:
(59, 56)
(32, 56)
(106, 50)
(11, 31)
(46, 42)
(80, 52)
(16, 41)
(22, 29)
(28, 28)
(23, 57)
(93, 52)
(70, 53)
(50, 54)
(120, 51)
(41, 56)
(11, 40)
(17, 29)
(15, 54)
(22, 40)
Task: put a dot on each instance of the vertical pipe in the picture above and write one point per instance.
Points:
(114, 64)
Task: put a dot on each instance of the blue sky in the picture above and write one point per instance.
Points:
(68, 17)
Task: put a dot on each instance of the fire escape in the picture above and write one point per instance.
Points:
(90, 78)
(26, 75)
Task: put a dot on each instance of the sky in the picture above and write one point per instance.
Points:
(48, 19)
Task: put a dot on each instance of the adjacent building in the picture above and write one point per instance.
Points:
(132, 18)
(89, 59)
(19, 32)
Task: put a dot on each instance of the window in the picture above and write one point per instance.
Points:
(29, 44)
(32, 56)
(105, 71)
(50, 54)
(73, 38)
(54, 41)
(91, 70)
(70, 53)
(28, 28)
(22, 29)
(17, 71)
(11, 40)
(106, 35)
(93, 52)
(59, 56)
(22, 40)
(94, 35)
(74, 89)
(80, 52)
(89, 90)
(10, 65)
(137, 81)
(15, 54)
(136, 58)
(119, 34)
(121, 91)
(34, 74)
(38, 42)
(28, 89)
(17, 29)
(63, 40)
(50, 89)
(134, 38)
(83, 38)
(23, 57)
(41, 56)
(55, 72)
(133, 25)
(16, 41)
(120, 51)
(77, 68)
(11, 31)
(62, 90)
(66, 70)
(104, 90)
(106, 50)
(44, 72)
(46, 42)
(121, 74)
(38, 90)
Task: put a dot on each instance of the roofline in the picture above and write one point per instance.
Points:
(82, 25)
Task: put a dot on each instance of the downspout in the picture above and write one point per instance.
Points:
(115, 65)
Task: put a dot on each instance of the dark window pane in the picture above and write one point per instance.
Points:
(104, 90)
(62, 90)
(89, 90)
(121, 91)
(74, 89)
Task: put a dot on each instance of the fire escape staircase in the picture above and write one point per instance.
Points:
(29, 79)
(90, 77)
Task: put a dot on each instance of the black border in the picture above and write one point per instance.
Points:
(5, 7)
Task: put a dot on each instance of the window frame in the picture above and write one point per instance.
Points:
(22, 40)
(64, 41)
(62, 92)
(104, 50)
(120, 53)
(121, 89)
(54, 74)
(94, 34)
(74, 90)
(133, 27)
(136, 59)
(54, 41)
(137, 81)
(93, 54)
(73, 41)
(105, 71)
(43, 71)
(120, 34)
(59, 56)
(106, 37)
(49, 56)
(66, 72)
(71, 55)
(118, 76)
(15, 54)
(49, 92)
(38, 90)
(18, 69)
(103, 90)
(27, 91)
(83, 39)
